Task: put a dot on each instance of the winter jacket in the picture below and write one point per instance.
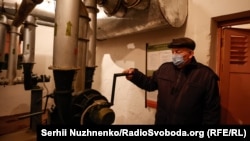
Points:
(185, 96)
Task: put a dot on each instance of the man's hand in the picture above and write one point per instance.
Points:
(129, 73)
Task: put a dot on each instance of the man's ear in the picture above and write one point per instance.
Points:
(191, 54)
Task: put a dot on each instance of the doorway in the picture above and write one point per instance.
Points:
(233, 67)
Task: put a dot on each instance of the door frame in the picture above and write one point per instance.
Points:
(219, 23)
(226, 21)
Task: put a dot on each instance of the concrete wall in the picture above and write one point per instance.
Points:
(115, 55)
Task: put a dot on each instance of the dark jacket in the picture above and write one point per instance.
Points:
(185, 96)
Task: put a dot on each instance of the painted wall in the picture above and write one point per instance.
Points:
(115, 55)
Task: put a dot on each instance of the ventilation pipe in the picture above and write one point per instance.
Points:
(91, 53)
(24, 10)
(89, 106)
(82, 50)
(65, 55)
(29, 34)
(13, 54)
(159, 14)
(3, 32)
(45, 16)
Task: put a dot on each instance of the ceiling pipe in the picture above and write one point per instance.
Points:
(10, 9)
(159, 14)
(24, 10)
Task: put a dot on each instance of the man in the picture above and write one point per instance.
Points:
(188, 91)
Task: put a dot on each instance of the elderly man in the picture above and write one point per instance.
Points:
(188, 91)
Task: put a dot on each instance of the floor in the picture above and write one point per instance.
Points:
(14, 129)
(21, 135)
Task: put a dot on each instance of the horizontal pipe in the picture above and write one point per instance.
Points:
(24, 10)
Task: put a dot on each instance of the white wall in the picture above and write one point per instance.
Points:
(115, 55)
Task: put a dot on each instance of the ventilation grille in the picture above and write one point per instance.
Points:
(238, 50)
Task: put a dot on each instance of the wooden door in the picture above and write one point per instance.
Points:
(235, 76)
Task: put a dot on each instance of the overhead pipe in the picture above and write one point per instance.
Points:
(10, 8)
(158, 14)
(24, 10)
(92, 9)
(3, 33)
(65, 55)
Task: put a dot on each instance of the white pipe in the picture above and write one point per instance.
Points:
(13, 54)
(91, 53)
(24, 10)
(66, 35)
(29, 35)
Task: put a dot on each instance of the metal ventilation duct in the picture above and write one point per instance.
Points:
(118, 22)
(159, 13)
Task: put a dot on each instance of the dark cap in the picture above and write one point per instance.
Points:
(183, 42)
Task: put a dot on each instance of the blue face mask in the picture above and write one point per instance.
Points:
(177, 59)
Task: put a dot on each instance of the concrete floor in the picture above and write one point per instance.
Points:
(22, 135)
(12, 129)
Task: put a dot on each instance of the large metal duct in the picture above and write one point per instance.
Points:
(25, 8)
(10, 8)
(159, 13)
(65, 55)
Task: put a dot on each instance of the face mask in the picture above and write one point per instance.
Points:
(177, 59)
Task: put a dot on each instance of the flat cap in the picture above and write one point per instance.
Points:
(183, 42)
